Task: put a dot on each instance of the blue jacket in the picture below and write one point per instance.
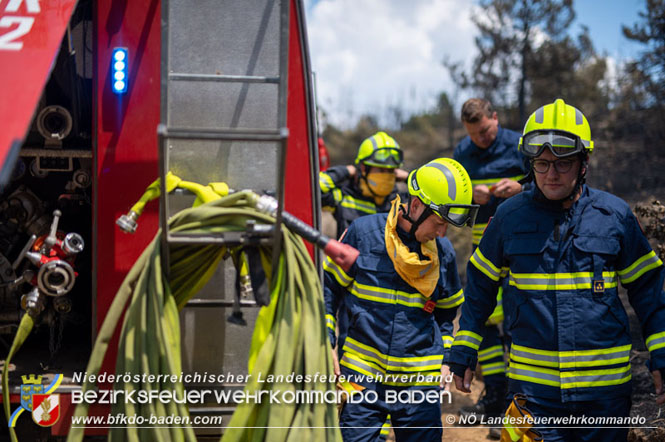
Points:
(570, 332)
(388, 331)
(340, 195)
(489, 166)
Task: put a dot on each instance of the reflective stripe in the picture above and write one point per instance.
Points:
(477, 231)
(447, 341)
(387, 296)
(485, 265)
(392, 363)
(451, 301)
(536, 375)
(385, 428)
(569, 379)
(325, 182)
(493, 368)
(495, 180)
(595, 358)
(571, 358)
(357, 364)
(639, 267)
(352, 203)
(468, 338)
(337, 195)
(342, 278)
(559, 281)
(656, 341)
(367, 368)
(514, 435)
(490, 352)
(595, 378)
(450, 178)
(331, 322)
(533, 356)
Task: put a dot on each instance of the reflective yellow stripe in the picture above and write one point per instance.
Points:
(493, 368)
(331, 322)
(368, 368)
(514, 435)
(485, 265)
(447, 341)
(497, 315)
(342, 278)
(468, 338)
(337, 195)
(495, 180)
(595, 378)
(392, 363)
(559, 281)
(639, 267)
(353, 203)
(490, 352)
(325, 182)
(656, 341)
(387, 296)
(385, 428)
(533, 374)
(477, 231)
(451, 301)
(571, 358)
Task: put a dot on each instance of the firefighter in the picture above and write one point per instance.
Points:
(489, 153)
(401, 296)
(366, 187)
(565, 247)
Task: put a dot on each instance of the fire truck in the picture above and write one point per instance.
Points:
(98, 99)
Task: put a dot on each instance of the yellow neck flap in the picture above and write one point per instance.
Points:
(421, 274)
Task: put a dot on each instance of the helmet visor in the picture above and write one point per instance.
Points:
(561, 144)
(459, 215)
(384, 157)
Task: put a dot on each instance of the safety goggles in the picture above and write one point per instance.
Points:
(459, 215)
(561, 144)
(384, 157)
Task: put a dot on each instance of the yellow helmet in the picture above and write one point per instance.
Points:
(558, 126)
(444, 186)
(380, 150)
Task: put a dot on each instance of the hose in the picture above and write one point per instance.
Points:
(289, 336)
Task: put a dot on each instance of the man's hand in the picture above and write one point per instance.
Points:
(401, 175)
(464, 385)
(506, 188)
(658, 383)
(481, 194)
(445, 376)
(335, 362)
(352, 170)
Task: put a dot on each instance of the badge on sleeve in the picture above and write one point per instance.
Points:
(429, 306)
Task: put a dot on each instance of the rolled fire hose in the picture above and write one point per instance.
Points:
(289, 337)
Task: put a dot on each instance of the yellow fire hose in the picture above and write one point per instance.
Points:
(289, 336)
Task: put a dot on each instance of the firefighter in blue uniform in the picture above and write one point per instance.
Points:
(368, 186)
(489, 154)
(401, 296)
(565, 247)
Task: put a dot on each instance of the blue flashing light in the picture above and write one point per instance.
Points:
(119, 70)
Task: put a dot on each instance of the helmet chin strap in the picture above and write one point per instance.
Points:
(406, 214)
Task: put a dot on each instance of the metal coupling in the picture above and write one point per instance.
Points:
(33, 302)
(127, 223)
(73, 244)
(267, 204)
